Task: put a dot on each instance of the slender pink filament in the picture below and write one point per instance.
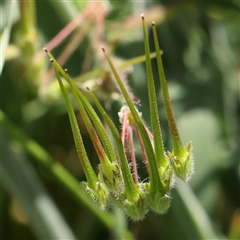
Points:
(141, 146)
(56, 40)
(134, 165)
(127, 150)
(124, 122)
(148, 132)
(127, 140)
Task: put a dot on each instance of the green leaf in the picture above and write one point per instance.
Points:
(190, 212)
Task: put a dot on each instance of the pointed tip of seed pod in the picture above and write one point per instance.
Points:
(103, 49)
(45, 50)
(142, 15)
(153, 23)
(51, 60)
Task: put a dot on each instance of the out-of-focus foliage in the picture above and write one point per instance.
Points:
(40, 170)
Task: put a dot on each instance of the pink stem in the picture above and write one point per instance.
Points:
(55, 41)
(73, 43)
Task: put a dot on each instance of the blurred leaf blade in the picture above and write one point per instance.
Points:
(22, 182)
(5, 35)
(55, 169)
(189, 212)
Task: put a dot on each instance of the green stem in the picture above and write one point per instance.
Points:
(128, 180)
(99, 127)
(94, 137)
(28, 15)
(131, 188)
(176, 139)
(86, 165)
(158, 141)
(156, 184)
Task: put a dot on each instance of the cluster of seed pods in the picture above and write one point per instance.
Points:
(117, 183)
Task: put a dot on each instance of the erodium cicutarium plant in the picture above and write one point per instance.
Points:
(116, 182)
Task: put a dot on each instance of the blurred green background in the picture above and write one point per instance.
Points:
(41, 196)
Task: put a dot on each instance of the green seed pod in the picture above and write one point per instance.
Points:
(158, 202)
(111, 175)
(136, 208)
(166, 174)
(118, 200)
(183, 164)
(99, 196)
